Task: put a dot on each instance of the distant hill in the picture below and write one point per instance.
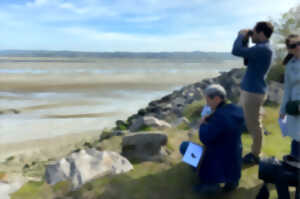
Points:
(196, 55)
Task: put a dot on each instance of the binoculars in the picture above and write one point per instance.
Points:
(246, 43)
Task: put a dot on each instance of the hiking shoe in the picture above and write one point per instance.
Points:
(266, 133)
(230, 186)
(250, 158)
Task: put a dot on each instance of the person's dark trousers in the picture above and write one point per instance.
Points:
(228, 186)
(263, 192)
(295, 149)
(285, 179)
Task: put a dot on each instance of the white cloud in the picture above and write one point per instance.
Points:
(143, 19)
(111, 41)
(38, 3)
(136, 24)
(252, 8)
(74, 9)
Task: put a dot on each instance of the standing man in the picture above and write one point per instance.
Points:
(253, 85)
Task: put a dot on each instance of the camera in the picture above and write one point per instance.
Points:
(267, 168)
(271, 169)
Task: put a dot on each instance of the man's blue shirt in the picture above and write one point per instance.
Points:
(259, 61)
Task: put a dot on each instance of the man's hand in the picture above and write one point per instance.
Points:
(203, 120)
(244, 32)
(281, 116)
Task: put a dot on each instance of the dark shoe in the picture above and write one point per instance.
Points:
(207, 189)
(267, 133)
(250, 159)
(263, 193)
(230, 186)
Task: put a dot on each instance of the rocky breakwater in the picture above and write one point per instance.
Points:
(169, 110)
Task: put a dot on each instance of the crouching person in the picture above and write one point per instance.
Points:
(283, 174)
(220, 132)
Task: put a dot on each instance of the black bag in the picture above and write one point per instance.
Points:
(292, 107)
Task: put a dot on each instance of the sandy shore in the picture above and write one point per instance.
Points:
(50, 105)
(46, 146)
(14, 156)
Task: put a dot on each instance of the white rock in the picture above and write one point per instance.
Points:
(154, 122)
(86, 165)
(181, 120)
(8, 188)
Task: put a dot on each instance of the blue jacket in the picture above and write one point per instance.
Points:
(259, 61)
(221, 135)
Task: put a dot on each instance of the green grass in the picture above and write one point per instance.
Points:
(146, 128)
(193, 111)
(170, 179)
(32, 190)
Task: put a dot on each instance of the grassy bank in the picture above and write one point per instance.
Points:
(170, 179)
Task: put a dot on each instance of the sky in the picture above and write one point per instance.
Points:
(131, 25)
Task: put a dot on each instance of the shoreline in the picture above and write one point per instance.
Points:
(14, 156)
(62, 111)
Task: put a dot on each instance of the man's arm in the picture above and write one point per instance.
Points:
(209, 131)
(240, 50)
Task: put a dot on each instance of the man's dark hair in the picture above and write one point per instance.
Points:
(287, 42)
(291, 36)
(265, 27)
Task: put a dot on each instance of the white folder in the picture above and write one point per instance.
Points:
(193, 154)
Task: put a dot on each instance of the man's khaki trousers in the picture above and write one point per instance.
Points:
(252, 106)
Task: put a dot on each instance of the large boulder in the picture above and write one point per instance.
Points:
(231, 82)
(83, 166)
(144, 146)
(8, 188)
(148, 121)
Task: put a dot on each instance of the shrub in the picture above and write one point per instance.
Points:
(193, 111)
(276, 73)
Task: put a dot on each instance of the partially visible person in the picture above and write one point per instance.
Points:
(292, 91)
(220, 132)
(253, 85)
(282, 174)
(290, 55)
(286, 173)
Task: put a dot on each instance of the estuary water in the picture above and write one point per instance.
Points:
(47, 97)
